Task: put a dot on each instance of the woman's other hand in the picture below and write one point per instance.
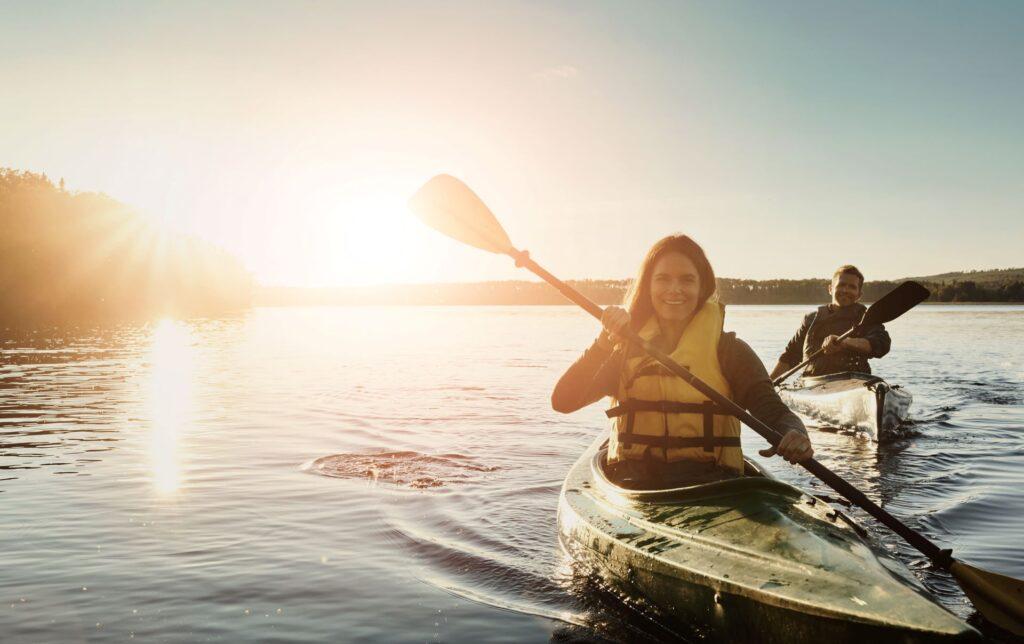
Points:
(795, 447)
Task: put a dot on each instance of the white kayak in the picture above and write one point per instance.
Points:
(852, 401)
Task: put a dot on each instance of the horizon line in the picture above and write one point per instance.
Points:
(624, 279)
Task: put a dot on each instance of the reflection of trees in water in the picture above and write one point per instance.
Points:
(57, 400)
(71, 257)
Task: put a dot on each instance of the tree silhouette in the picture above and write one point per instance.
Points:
(72, 258)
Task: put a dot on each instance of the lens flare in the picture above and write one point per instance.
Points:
(170, 401)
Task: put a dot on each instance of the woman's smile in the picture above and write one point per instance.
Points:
(675, 287)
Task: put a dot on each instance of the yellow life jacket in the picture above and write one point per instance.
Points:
(659, 412)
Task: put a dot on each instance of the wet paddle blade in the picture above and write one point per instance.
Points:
(1000, 599)
(447, 205)
(895, 303)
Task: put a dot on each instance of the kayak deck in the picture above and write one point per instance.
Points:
(752, 558)
(854, 401)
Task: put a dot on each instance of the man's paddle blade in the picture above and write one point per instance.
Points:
(1000, 599)
(895, 303)
(447, 205)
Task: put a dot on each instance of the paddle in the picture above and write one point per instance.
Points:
(891, 305)
(448, 205)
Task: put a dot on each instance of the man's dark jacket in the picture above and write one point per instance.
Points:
(832, 320)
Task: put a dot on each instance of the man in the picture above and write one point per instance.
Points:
(821, 330)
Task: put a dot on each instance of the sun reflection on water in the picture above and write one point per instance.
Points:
(170, 401)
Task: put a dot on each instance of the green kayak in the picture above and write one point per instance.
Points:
(748, 559)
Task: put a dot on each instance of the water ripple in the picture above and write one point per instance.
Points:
(403, 469)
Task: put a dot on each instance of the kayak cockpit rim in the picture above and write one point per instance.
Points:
(754, 476)
(810, 381)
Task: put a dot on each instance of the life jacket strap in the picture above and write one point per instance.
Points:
(678, 442)
(632, 405)
(707, 409)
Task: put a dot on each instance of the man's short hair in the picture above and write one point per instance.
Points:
(848, 269)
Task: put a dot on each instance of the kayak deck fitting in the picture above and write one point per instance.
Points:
(850, 400)
(748, 559)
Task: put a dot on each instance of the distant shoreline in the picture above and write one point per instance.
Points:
(987, 287)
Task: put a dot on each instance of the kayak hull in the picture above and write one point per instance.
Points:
(747, 559)
(853, 401)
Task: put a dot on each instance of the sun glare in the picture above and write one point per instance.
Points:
(170, 401)
(375, 239)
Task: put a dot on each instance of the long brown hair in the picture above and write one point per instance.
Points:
(638, 297)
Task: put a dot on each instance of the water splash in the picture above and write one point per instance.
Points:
(403, 469)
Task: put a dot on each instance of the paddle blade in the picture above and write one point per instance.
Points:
(1000, 599)
(895, 303)
(447, 205)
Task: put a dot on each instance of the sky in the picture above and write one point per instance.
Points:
(785, 137)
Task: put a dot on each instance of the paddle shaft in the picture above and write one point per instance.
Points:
(523, 260)
(830, 478)
(778, 381)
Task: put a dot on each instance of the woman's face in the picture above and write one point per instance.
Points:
(675, 287)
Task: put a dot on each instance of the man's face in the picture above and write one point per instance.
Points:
(845, 289)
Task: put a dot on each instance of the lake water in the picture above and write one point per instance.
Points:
(392, 474)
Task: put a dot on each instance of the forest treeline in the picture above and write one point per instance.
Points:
(80, 257)
(604, 292)
(69, 258)
(810, 291)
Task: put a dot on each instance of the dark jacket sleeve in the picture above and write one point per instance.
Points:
(879, 339)
(752, 388)
(794, 352)
(592, 377)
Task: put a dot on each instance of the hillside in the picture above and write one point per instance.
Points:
(995, 275)
(79, 257)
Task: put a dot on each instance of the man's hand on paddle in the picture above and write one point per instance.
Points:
(832, 344)
(795, 447)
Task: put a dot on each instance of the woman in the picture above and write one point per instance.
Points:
(666, 433)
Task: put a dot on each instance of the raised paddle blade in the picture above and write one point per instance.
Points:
(447, 205)
(1000, 599)
(895, 303)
